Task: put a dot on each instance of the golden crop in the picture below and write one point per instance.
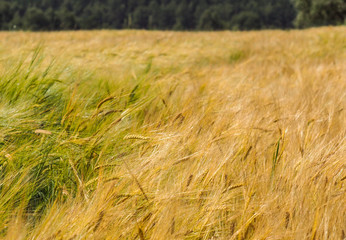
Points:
(173, 135)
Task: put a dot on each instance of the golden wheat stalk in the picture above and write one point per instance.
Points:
(135, 136)
(104, 101)
(106, 165)
(42, 131)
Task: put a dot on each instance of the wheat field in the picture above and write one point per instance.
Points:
(173, 135)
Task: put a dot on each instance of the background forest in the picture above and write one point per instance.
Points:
(169, 14)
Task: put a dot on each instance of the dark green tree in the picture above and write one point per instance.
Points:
(215, 17)
(17, 21)
(6, 15)
(246, 20)
(66, 19)
(35, 19)
(141, 17)
(184, 19)
(92, 17)
(53, 19)
(320, 12)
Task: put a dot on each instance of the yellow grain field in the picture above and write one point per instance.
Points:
(173, 135)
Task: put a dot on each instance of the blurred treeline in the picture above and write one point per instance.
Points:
(169, 14)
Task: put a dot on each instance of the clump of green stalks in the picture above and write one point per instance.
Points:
(53, 134)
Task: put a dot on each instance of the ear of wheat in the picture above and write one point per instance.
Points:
(135, 136)
(42, 131)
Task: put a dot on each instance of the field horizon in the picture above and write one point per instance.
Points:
(133, 134)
